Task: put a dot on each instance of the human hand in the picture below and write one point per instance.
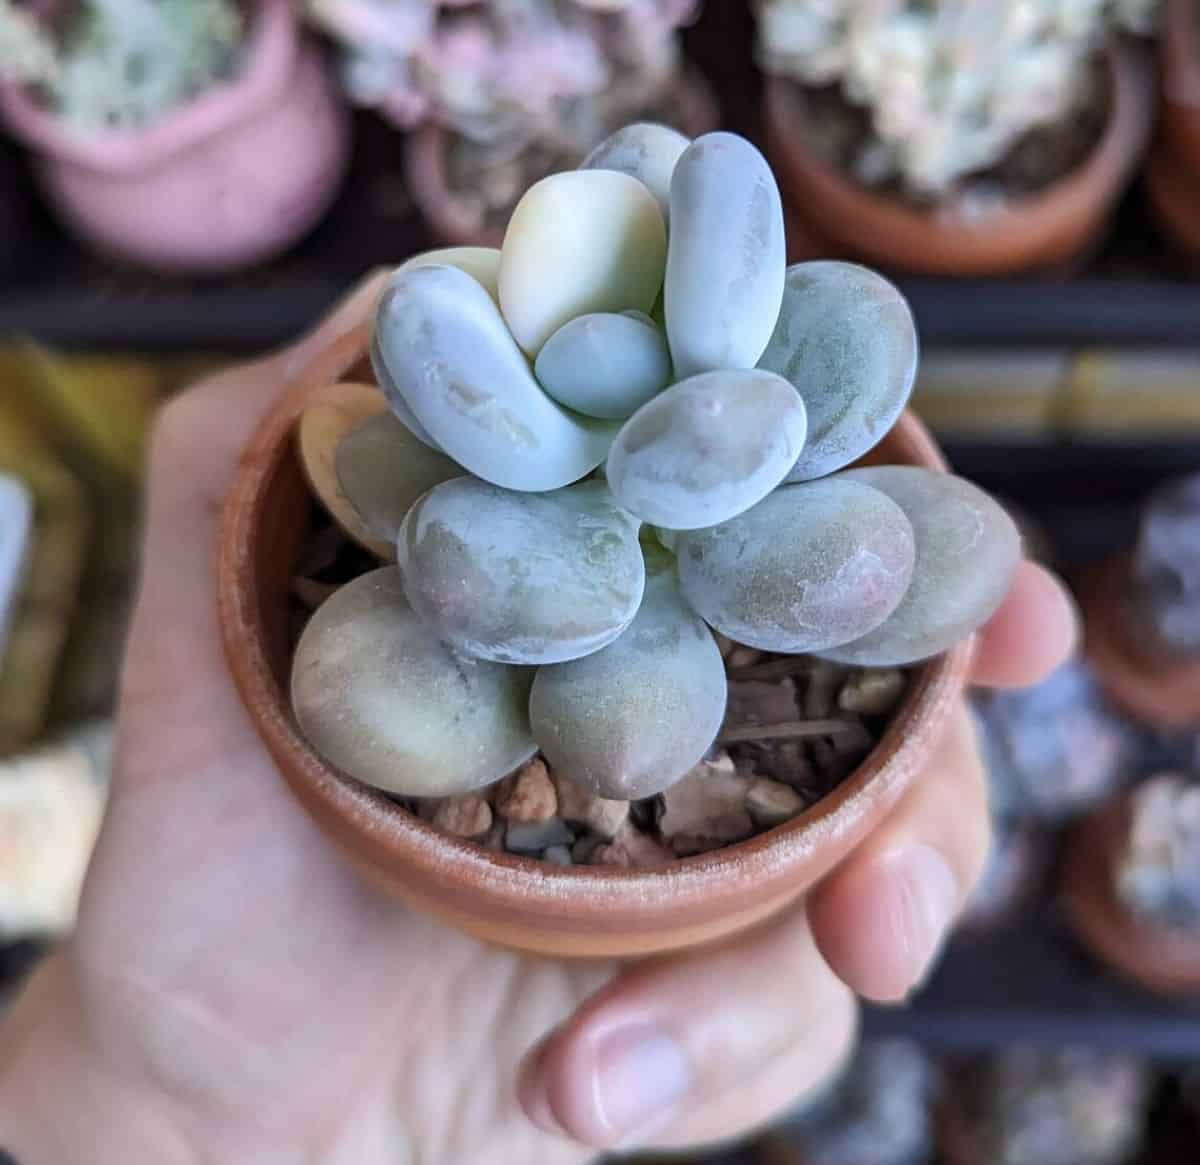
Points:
(234, 992)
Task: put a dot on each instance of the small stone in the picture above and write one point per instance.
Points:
(468, 816)
(631, 848)
(708, 803)
(534, 836)
(584, 850)
(771, 803)
(528, 795)
(758, 702)
(821, 693)
(740, 656)
(604, 816)
(872, 691)
(725, 645)
(558, 855)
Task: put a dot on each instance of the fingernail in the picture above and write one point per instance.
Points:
(640, 1076)
(925, 901)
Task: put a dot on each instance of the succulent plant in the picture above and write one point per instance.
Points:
(122, 63)
(535, 606)
(1071, 1107)
(950, 86)
(878, 1112)
(1166, 569)
(1157, 874)
(1056, 749)
(501, 72)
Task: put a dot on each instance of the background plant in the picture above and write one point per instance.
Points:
(950, 85)
(121, 63)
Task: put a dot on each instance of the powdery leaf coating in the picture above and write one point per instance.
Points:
(630, 720)
(967, 550)
(810, 567)
(846, 341)
(450, 358)
(579, 241)
(379, 697)
(726, 257)
(481, 263)
(521, 578)
(605, 364)
(707, 449)
(383, 468)
(395, 399)
(646, 151)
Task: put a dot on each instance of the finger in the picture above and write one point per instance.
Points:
(881, 917)
(1034, 631)
(665, 1052)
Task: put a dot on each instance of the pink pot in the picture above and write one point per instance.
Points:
(230, 179)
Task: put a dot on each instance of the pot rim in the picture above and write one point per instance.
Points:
(1109, 164)
(270, 53)
(687, 886)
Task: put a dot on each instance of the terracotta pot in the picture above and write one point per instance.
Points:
(229, 179)
(579, 911)
(1153, 686)
(1040, 231)
(456, 220)
(1179, 56)
(1163, 960)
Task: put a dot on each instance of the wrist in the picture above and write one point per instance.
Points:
(61, 1102)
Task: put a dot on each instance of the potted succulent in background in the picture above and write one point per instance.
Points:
(1026, 1106)
(529, 726)
(878, 1112)
(953, 138)
(1131, 884)
(1142, 613)
(1173, 171)
(184, 136)
(499, 93)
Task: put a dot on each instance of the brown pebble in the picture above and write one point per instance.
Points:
(708, 803)
(584, 850)
(820, 694)
(631, 848)
(872, 691)
(602, 815)
(310, 592)
(528, 795)
(757, 702)
(742, 657)
(724, 644)
(771, 803)
(467, 816)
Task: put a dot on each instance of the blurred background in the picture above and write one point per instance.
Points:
(186, 182)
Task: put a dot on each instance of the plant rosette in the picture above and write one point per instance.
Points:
(202, 182)
(1045, 228)
(1142, 613)
(1131, 884)
(633, 599)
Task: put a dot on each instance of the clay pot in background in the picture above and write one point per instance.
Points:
(231, 178)
(1039, 232)
(1163, 960)
(1152, 685)
(576, 911)
(458, 220)
(1173, 175)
